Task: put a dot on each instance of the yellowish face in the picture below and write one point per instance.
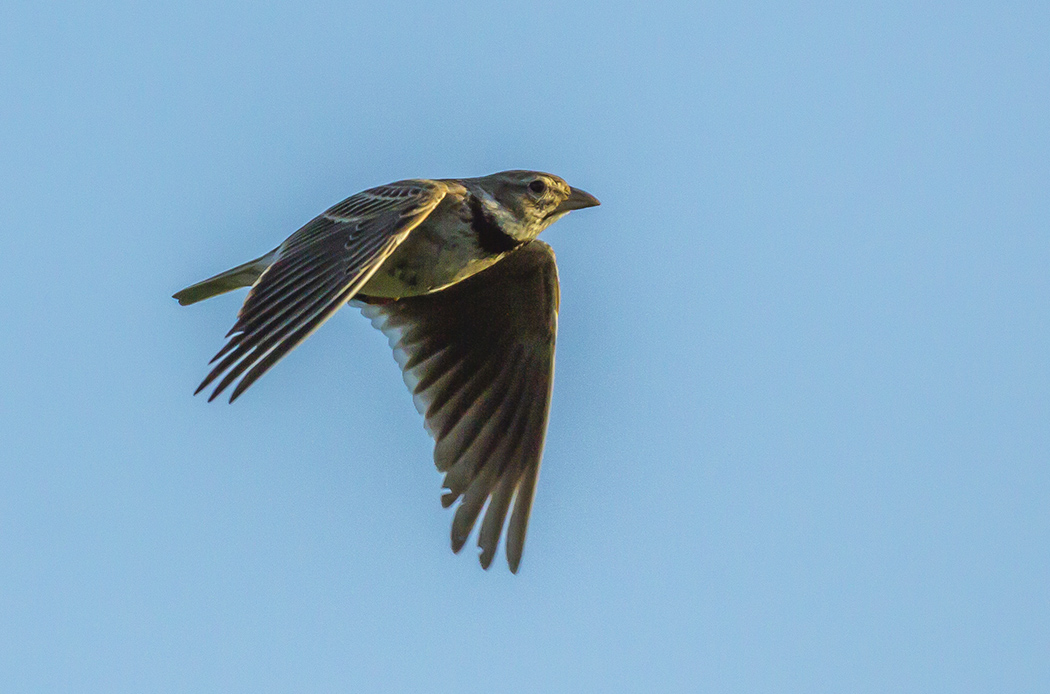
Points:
(533, 198)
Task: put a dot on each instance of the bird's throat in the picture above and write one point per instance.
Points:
(491, 236)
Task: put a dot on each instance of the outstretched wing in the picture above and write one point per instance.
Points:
(479, 359)
(317, 269)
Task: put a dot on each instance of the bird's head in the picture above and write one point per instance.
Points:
(524, 203)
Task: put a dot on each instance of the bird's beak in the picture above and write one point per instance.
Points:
(577, 200)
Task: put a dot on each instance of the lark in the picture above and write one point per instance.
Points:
(452, 272)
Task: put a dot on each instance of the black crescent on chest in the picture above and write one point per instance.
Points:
(491, 237)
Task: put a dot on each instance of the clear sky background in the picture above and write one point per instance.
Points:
(800, 438)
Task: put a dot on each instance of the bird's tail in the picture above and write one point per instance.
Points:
(240, 276)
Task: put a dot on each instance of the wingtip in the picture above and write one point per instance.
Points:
(486, 556)
(513, 561)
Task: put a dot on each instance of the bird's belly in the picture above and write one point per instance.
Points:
(426, 262)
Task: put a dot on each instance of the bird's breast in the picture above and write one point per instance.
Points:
(441, 251)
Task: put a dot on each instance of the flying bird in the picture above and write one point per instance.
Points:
(452, 272)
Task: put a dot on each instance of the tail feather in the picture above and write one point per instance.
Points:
(240, 276)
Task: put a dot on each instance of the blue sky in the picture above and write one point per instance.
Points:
(799, 438)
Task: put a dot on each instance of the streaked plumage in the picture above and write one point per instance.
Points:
(451, 272)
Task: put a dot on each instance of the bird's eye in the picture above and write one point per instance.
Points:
(537, 186)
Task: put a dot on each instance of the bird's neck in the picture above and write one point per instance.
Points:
(497, 230)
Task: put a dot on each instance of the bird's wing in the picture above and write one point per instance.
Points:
(317, 269)
(479, 359)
